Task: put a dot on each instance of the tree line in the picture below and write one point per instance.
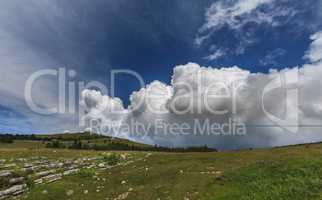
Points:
(10, 138)
(117, 146)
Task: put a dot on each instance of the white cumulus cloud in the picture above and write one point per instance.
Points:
(178, 114)
(314, 53)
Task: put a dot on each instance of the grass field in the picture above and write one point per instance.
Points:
(280, 173)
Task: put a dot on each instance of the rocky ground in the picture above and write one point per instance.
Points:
(18, 174)
(28, 171)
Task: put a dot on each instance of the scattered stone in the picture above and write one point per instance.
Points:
(72, 167)
(45, 170)
(39, 181)
(45, 173)
(72, 171)
(122, 196)
(16, 180)
(27, 165)
(101, 165)
(55, 165)
(212, 172)
(5, 173)
(70, 192)
(148, 155)
(52, 178)
(30, 169)
(13, 191)
(90, 166)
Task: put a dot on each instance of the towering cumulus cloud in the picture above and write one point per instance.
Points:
(226, 108)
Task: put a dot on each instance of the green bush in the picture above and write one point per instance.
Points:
(86, 173)
(112, 159)
(4, 183)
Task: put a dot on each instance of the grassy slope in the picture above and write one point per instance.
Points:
(281, 173)
(84, 137)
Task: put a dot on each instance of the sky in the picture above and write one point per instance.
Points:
(151, 38)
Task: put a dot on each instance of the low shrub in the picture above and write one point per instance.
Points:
(112, 159)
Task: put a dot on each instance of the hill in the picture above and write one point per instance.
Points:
(90, 141)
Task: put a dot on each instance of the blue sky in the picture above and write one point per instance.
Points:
(149, 37)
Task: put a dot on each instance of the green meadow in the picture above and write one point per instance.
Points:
(293, 172)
